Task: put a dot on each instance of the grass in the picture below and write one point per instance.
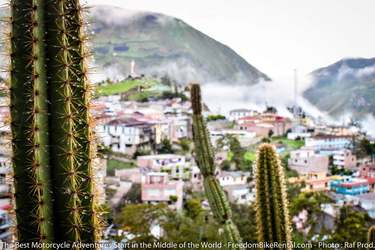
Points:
(291, 144)
(113, 164)
(123, 86)
(250, 156)
(143, 95)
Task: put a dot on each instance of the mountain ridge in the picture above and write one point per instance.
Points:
(346, 86)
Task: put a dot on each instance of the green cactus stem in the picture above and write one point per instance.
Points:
(53, 146)
(205, 160)
(272, 209)
(29, 122)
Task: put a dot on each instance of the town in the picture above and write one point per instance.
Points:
(146, 159)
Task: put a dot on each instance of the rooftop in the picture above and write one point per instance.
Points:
(128, 122)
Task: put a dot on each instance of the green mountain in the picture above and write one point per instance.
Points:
(160, 45)
(347, 86)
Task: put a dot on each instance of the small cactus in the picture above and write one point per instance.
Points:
(53, 149)
(205, 160)
(371, 236)
(272, 214)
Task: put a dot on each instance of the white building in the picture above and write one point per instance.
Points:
(240, 194)
(175, 165)
(236, 114)
(230, 178)
(125, 135)
(328, 143)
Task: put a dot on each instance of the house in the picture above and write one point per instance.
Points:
(327, 144)
(314, 181)
(371, 184)
(240, 194)
(156, 162)
(230, 178)
(265, 124)
(344, 158)
(349, 186)
(172, 128)
(175, 165)
(236, 114)
(146, 113)
(337, 130)
(306, 160)
(367, 171)
(157, 188)
(299, 131)
(126, 135)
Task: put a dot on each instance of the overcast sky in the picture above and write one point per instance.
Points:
(277, 35)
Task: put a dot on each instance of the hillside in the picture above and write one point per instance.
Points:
(347, 86)
(160, 45)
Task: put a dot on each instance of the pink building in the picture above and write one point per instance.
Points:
(367, 171)
(264, 123)
(344, 159)
(305, 161)
(157, 188)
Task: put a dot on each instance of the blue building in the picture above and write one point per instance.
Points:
(349, 186)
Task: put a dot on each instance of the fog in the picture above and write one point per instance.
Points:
(222, 97)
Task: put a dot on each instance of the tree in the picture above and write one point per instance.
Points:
(193, 208)
(238, 154)
(351, 226)
(138, 219)
(215, 117)
(165, 147)
(270, 133)
(140, 152)
(185, 145)
(244, 217)
(365, 148)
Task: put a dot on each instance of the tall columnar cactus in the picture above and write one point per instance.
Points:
(272, 209)
(205, 160)
(28, 95)
(53, 147)
(371, 235)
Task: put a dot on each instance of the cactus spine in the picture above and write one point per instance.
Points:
(50, 102)
(271, 200)
(205, 160)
